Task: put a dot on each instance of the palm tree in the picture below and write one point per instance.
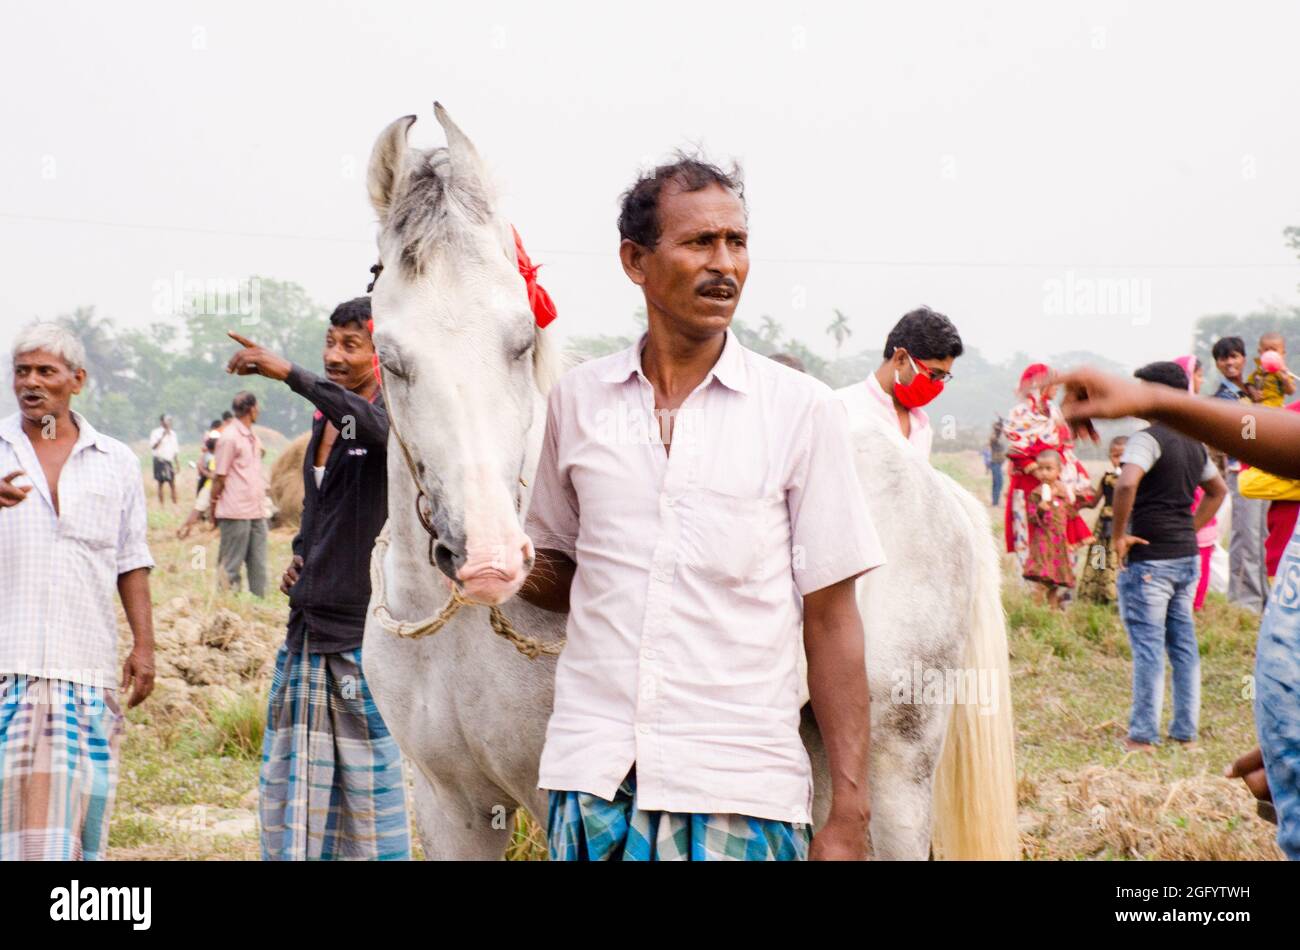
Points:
(105, 359)
(769, 329)
(839, 328)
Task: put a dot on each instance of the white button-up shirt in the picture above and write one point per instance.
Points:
(58, 619)
(684, 631)
(867, 398)
(164, 444)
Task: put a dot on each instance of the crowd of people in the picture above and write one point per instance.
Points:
(331, 783)
(1152, 546)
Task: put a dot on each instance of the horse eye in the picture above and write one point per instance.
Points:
(391, 362)
(525, 350)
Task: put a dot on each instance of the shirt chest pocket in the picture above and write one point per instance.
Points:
(730, 535)
(90, 517)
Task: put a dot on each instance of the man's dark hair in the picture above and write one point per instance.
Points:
(356, 310)
(227, 416)
(1165, 373)
(638, 218)
(215, 423)
(926, 335)
(243, 403)
(1227, 345)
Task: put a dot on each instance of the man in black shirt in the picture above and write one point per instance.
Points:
(331, 784)
(1155, 539)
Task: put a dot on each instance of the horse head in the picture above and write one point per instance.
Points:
(462, 359)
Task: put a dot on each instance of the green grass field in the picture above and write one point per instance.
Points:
(190, 757)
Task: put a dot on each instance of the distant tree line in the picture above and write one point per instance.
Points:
(177, 365)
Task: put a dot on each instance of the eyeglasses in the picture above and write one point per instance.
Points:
(938, 375)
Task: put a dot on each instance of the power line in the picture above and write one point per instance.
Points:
(569, 252)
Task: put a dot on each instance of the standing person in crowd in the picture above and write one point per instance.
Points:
(995, 459)
(1273, 444)
(208, 455)
(68, 538)
(1101, 565)
(207, 462)
(1207, 538)
(340, 793)
(1155, 539)
(1050, 560)
(1035, 425)
(1247, 577)
(675, 732)
(919, 353)
(1270, 382)
(238, 506)
(203, 500)
(165, 449)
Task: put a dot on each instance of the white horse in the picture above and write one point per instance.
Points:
(466, 374)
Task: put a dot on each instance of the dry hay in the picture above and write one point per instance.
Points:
(1110, 813)
(286, 483)
(273, 440)
(205, 657)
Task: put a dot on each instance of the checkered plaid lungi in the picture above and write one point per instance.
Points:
(585, 827)
(58, 768)
(331, 785)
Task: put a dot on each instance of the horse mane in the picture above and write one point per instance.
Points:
(435, 209)
(549, 361)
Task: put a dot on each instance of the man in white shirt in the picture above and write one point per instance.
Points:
(72, 528)
(693, 503)
(165, 449)
(919, 354)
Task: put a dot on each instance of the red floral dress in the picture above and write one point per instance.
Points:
(1048, 559)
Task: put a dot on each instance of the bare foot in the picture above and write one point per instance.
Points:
(1190, 745)
(1131, 745)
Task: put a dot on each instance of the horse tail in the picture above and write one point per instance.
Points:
(975, 793)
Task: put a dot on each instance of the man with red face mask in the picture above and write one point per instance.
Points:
(919, 354)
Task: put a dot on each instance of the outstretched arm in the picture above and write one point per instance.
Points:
(1265, 437)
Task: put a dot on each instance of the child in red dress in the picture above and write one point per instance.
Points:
(1051, 507)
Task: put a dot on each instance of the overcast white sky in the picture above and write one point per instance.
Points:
(895, 154)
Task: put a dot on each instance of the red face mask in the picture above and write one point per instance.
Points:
(921, 390)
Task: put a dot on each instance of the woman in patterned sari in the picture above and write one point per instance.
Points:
(1034, 425)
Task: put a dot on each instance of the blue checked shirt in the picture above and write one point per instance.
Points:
(60, 570)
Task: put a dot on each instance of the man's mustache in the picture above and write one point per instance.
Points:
(718, 282)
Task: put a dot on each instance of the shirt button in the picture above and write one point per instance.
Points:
(643, 729)
(648, 654)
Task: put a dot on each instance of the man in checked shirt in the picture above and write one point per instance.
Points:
(72, 527)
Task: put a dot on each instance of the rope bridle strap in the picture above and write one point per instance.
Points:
(530, 647)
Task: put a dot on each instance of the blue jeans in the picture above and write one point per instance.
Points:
(1277, 697)
(1155, 603)
(996, 471)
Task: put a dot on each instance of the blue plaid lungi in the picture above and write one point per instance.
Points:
(58, 768)
(331, 785)
(585, 827)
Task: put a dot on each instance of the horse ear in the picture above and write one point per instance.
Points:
(465, 163)
(386, 163)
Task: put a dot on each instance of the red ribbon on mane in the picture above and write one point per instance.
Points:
(538, 298)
